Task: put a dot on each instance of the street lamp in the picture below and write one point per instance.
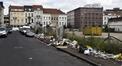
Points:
(14, 18)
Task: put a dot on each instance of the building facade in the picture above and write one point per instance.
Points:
(111, 13)
(85, 16)
(16, 15)
(6, 20)
(116, 24)
(36, 15)
(1, 14)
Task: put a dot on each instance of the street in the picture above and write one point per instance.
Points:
(18, 50)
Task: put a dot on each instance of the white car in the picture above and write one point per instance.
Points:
(3, 32)
(15, 29)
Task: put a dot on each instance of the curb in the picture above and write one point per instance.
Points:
(88, 61)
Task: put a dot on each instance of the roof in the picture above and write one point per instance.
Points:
(45, 10)
(16, 7)
(37, 6)
(79, 8)
(115, 19)
(52, 11)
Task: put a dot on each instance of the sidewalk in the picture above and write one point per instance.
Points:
(90, 59)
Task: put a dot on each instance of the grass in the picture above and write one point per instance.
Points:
(114, 46)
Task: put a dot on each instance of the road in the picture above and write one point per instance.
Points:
(18, 50)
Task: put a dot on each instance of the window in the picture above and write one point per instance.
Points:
(29, 14)
(65, 18)
(62, 17)
(56, 18)
(44, 23)
(49, 18)
(52, 18)
(38, 8)
(29, 9)
(32, 20)
(25, 14)
(26, 20)
(22, 20)
(11, 20)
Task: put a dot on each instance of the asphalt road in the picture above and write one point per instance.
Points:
(18, 50)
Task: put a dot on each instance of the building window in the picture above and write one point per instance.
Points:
(52, 18)
(29, 14)
(22, 20)
(32, 20)
(57, 18)
(25, 14)
(29, 9)
(26, 20)
(11, 20)
(62, 17)
(32, 14)
(65, 18)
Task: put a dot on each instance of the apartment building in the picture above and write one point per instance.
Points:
(1, 14)
(36, 15)
(85, 16)
(111, 13)
(116, 24)
(16, 15)
(6, 20)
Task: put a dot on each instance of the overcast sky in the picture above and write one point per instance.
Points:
(64, 5)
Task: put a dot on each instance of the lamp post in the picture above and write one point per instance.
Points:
(14, 18)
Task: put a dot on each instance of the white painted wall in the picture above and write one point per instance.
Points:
(116, 25)
(62, 20)
(107, 17)
(46, 20)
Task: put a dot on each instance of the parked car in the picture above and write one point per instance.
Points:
(29, 33)
(15, 29)
(3, 32)
(24, 29)
(9, 30)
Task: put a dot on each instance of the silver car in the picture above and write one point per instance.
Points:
(3, 32)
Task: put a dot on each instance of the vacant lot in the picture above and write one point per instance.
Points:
(104, 35)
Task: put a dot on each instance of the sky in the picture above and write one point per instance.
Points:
(64, 5)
